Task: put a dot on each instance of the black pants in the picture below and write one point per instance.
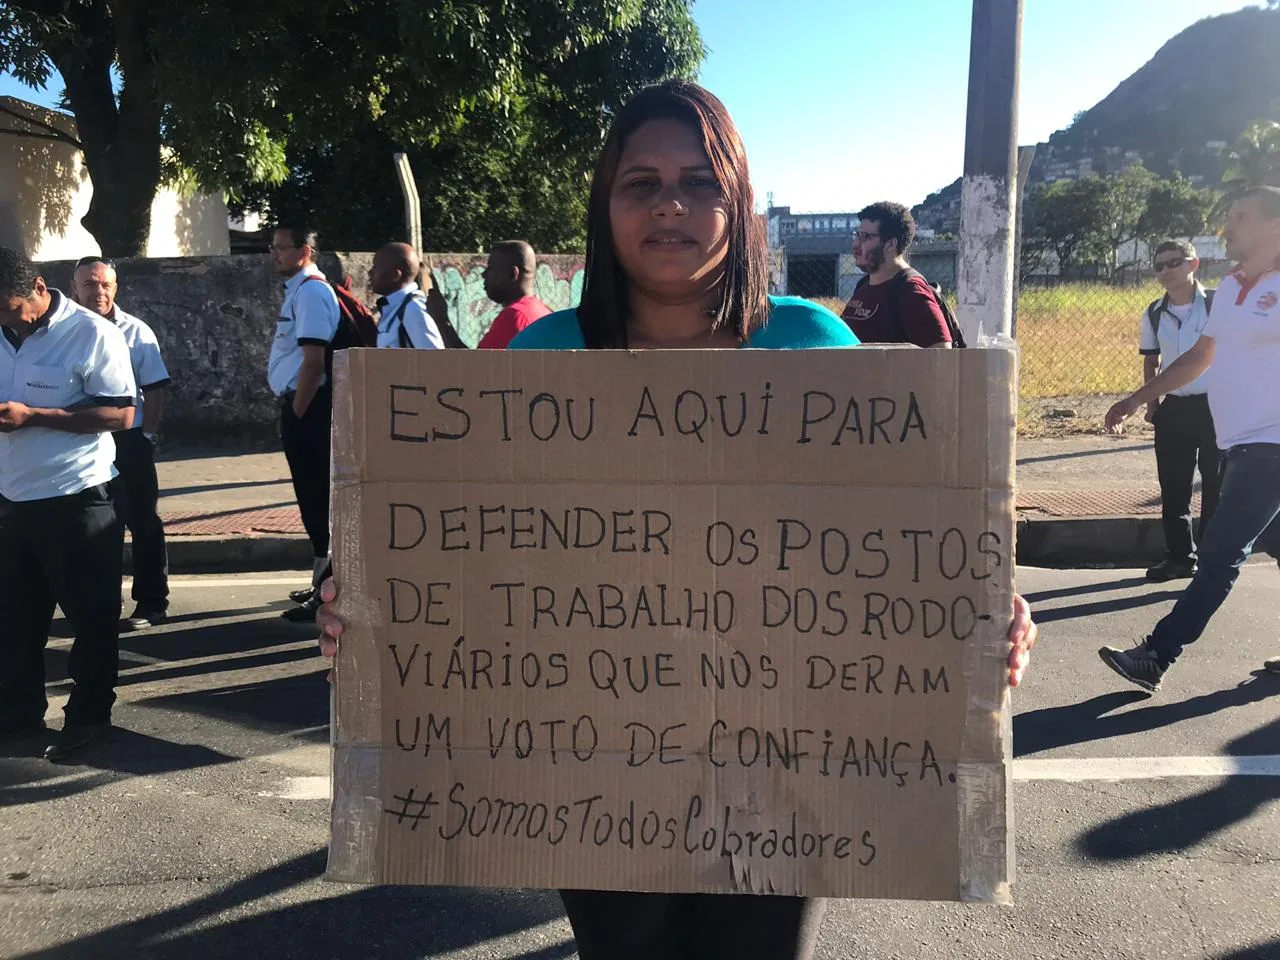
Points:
(136, 493)
(1184, 438)
(64, 551)
(692, 926)
(306, 447)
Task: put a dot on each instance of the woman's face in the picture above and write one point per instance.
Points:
(668, 216)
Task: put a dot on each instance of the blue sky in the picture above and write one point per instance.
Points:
(842, 102)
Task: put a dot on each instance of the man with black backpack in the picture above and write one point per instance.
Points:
(894, 303)
(403, 320)
(316, 318)
(1185, 436)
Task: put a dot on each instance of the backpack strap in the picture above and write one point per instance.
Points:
(403, 334)
(1156, 308)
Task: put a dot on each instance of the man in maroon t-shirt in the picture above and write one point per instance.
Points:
(508, 280)
(887, 308)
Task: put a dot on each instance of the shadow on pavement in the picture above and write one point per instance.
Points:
(375, 923)
(1183, 823)
(1052, 727)
(290, 706)
(29, 779)
(1115, 605)
(1263, 951)
(1075, 591)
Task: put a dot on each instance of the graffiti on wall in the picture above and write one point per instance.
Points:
(558, 284)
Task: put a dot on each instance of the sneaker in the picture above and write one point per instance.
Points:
(141, 618)
(1137, 665)
(73, 738)
(1272, 665)
(301, 596)
(1167, 570)
(304, 612)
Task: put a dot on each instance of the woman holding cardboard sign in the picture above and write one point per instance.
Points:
(676, 258)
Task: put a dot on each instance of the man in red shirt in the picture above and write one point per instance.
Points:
(888, 306)
(508, 280)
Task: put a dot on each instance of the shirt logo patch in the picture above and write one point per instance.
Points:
(1267, 301)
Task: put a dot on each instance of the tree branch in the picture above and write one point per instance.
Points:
(53, 134)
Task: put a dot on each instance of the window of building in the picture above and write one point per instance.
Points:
(805, 225)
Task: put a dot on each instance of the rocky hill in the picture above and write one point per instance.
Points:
(1177, 112)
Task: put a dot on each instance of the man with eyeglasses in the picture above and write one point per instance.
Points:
(66, 385)
(1185, 437)
(1241, 340)
(136, 491)
(296, 373)
(893, 303)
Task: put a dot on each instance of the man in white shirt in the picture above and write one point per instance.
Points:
(1185, 436)
(65, 385)
(297, 375)
(136, 491)
(1242, 342)
(403, 320)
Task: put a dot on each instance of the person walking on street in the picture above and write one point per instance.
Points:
(297, 372)
(1185, 437)
(1242, 343)
(893, 303)
(403, 320)
(136, 491)
(66, 385)
(508, 281)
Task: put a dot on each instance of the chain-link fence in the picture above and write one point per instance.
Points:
(1078, 339)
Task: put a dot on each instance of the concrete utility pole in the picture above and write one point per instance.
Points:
(987, 267)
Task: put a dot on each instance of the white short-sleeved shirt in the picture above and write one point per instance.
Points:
(1180, 328)
(149, 371)
(407, 309)
(76, 359)
(309, 314)
(1244, 379)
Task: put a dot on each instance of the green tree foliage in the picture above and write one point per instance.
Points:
(302, 104)
(1091, 221)
(1253, 161)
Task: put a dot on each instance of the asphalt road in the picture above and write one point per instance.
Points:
(199, 831)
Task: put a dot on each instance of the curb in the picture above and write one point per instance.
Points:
(1042, 542)
(1089, 541)
(233, 554)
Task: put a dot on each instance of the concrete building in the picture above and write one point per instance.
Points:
(813, 254)
(45, 189)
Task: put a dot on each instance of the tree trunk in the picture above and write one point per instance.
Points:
(121, 138)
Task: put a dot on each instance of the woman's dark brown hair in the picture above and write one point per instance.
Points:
(744, 289)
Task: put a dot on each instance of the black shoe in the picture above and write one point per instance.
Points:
(74, 737)
(1272, 665)
(301, 596)
(141, 618)
(1138, 665)
(304, 612)
(1167, 570)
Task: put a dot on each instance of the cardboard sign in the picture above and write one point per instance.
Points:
(716, 621)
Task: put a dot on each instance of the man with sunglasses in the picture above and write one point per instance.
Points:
(1185, 437)
(136, 491)
(1240, 347)
(893, 303)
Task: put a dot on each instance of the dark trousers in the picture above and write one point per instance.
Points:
(64, 551)
(136, 493)
(1248, 518)
(306, 447)
(1184, 439)
(692, 926)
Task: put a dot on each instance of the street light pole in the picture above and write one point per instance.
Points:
(986, 275)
